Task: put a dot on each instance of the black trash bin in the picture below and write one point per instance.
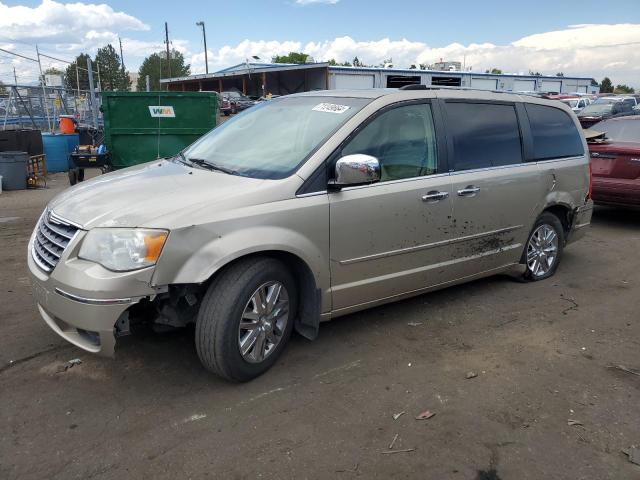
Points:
(13, 169)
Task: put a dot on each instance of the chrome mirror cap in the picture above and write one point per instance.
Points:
(356, 169)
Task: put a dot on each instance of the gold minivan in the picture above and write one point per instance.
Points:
(309, 207)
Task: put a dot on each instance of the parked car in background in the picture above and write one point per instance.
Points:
(603, 108)
(225, 106)
(309, 207)
(576, 103)
(615, 161)
(237, 101)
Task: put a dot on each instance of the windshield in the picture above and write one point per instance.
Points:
(606, 100)
(597, 109)
(620, 130)
(273, 139)
(571, 103)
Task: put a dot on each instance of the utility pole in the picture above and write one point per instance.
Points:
(99, 81)
(15, 77)
(44, 91)
(166, 39)
(92, 92)
(121, 55)
(204, 37)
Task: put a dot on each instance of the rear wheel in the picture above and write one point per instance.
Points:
(544, 248)
(246, 319)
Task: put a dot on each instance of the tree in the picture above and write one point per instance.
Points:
(112, 75)
(293, 57)
(70, 76)
(624, 89)
(606, 86)
(560, 74)
(386, 61)
(53, 71)
(154, 63)
(3, 90)
(495, 71)
(537, 74)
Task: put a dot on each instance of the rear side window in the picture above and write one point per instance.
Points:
(483, 134)
(554, 133)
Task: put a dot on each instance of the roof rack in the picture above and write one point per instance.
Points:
(448, 87)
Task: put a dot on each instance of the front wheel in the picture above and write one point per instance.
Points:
(544, 248)
(246, 318)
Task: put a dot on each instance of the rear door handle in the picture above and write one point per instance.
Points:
(468, 191)
(434, 196)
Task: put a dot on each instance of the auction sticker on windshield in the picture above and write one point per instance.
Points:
(330, 108)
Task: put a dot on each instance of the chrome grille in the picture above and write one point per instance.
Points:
(52, 237)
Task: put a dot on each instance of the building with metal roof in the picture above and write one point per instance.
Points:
(257, 79)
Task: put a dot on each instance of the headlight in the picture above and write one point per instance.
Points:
(122, 249)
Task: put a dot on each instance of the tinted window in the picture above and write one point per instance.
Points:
(402, 139)
(483, 135)
(554, 133)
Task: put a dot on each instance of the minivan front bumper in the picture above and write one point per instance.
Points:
(82, 301)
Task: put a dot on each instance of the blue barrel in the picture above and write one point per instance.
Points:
(57, 149)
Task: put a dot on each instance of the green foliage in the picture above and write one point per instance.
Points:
(495, 71)
(70, 77)
(333, 63)
(537, 74)
(112, 75)
(293, 57)
(3, 90)
(606, 86)
(560, 74)
(53, 71)
(156, 66)
(624, 89)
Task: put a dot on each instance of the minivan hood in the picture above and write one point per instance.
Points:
(136, 196)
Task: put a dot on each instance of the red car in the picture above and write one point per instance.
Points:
(615, 161)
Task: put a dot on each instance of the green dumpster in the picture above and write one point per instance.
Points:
(143, 126)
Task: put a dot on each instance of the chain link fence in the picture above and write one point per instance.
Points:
(31, 106)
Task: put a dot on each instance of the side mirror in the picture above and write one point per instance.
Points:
(356, 169)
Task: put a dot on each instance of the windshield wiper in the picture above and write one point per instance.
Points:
(211, 166)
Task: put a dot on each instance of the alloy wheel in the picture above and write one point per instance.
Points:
(542, 250)
(264, 321)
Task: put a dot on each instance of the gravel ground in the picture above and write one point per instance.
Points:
(541, 353)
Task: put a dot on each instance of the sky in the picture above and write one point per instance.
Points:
(576, 38)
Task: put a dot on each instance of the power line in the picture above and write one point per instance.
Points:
(18, 55)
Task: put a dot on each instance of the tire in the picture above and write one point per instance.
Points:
(230, 298)
(73, 176)
(543, 251)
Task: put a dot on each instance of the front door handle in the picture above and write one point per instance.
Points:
(468, 191)
(434, 196)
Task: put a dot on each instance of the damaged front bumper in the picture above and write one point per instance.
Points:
(82, 301)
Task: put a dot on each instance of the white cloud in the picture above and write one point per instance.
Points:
(581, 50)
(52, 22)
(315, 2)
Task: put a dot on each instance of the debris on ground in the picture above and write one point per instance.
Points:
(633, 452)
(398, 415)
(632, 371)
(70, 364)
(393, 442)
(470, 374)
(572, 422)
(414, 324)
(353, 470)
(574, 304)
(426, 415)
(406, 450)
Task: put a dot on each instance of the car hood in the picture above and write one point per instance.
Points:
(155, 194)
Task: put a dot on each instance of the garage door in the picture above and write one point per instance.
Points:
(524, 85)
(484, 83)
(550, 85)
(348, 81)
